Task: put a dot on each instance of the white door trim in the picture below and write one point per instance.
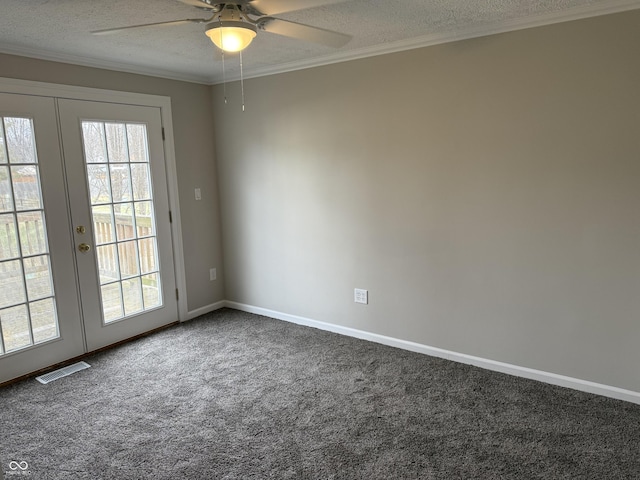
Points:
(28, 87)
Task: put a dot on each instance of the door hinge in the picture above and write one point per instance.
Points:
(163, 133)
(170, 217)
(177, 295)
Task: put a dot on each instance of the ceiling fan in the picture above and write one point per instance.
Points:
(233, 25)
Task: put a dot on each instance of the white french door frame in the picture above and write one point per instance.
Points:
(27, 87)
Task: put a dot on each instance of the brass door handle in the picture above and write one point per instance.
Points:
(84, 248)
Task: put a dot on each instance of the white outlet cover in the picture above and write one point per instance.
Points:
(361, 296)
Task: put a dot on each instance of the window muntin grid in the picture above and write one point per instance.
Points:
(121, 197)
(28, 313)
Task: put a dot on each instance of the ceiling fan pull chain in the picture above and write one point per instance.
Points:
(224, 75)
(224, 80)
(241, 80)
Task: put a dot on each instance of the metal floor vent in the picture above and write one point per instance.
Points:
(62, 372)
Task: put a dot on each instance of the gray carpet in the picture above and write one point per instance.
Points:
(233, 395)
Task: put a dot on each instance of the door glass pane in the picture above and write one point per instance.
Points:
(111, 302)
(103, 224)
(116, 142)
(137, 136)
(128, 254)
(11, 283)
(6, 198)
(20, 140)
(26, 187)
(145, 222)
(108, 263)
(120, 183)
(27, 301)
(147, 249)
(123, 221)
(32, 233)
(38, 275)
(95, 145)
(151, 290)
(3, 145)
(140, 181)
(132, 292)
(16, 332)
(99, 184)
(43, 318)
(8, 237)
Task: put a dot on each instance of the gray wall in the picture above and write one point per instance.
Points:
(485, 192)
(195, 159)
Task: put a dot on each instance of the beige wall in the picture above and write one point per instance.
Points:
(195, 160)
(486, 193)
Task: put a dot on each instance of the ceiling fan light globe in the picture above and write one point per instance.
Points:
(231, 36)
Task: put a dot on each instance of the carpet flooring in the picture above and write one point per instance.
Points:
(232, 395)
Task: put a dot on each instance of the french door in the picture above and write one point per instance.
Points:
(40, 317)
(115, 171)
(85, 241)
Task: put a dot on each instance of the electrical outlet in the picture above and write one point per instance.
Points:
(198, 194)
(212, 274)
(361, 296)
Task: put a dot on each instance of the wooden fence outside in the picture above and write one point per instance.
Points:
(32, 234)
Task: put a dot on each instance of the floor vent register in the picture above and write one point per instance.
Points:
(62, 372)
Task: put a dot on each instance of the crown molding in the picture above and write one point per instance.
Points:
(576, 13)
(83, 61)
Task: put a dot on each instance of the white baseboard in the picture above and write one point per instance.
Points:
(518, 371)
(206, 309)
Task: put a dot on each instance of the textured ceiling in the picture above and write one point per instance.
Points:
(59, 30)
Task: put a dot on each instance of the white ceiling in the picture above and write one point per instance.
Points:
(60, 30)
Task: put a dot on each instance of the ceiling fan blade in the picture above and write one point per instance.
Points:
(304, 32)
(197, 3)
(273, 7)
(108, 31)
